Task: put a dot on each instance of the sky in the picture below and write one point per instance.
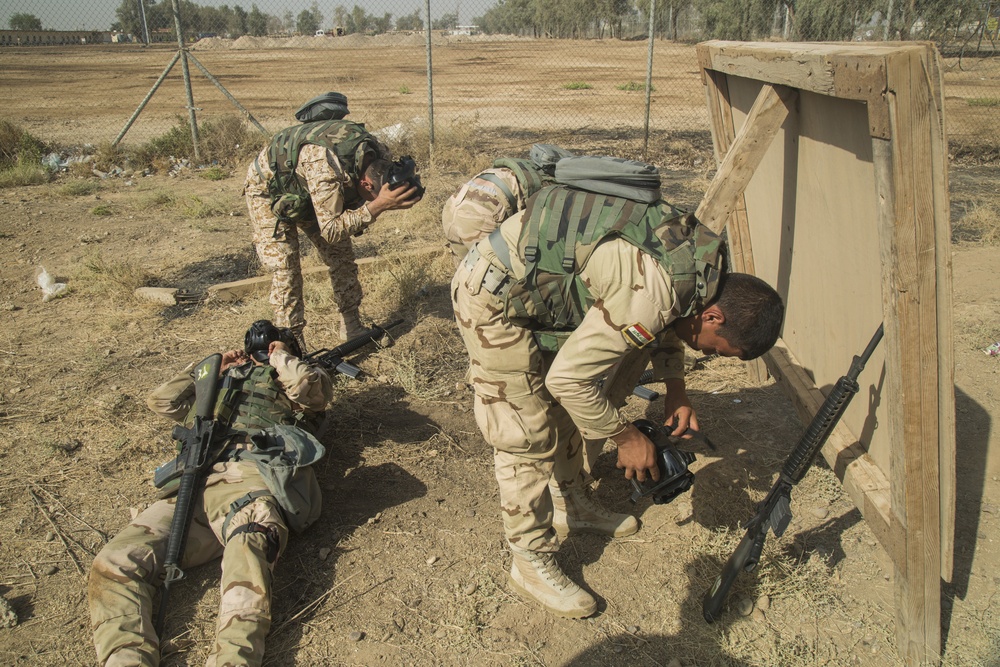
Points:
(100, 14)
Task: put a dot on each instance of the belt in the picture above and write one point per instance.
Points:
(496, 281)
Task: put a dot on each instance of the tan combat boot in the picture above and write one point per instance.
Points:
(575, 512)
(535, 575)
(350, 325)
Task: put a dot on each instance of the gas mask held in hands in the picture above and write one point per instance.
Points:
(675, 478)
(403, 172)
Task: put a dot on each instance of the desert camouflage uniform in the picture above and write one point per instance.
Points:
(477, 209)
(128, 570)
(534, 407)
(278, 243)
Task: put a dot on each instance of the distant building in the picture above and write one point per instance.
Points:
(54, 37)
(466, 30)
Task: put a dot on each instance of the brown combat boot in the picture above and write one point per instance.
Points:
(350, 325)
(536, 576)
(575, 512)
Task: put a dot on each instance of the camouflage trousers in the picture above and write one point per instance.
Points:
(128, 570)
(279, 253)
(533, 438)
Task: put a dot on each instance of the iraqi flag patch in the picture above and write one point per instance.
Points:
(637, 335)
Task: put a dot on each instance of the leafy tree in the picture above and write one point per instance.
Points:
(306, 22)
(158, 16)
(831, 20)
(446, 22)
(737, 19)
(257, 22)
(357, 21)
(25, 22)
(384, 24)
(410, 22)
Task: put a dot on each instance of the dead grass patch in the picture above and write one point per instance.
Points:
(980, 224)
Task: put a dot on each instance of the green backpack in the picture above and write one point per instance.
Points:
(562, 227)
(349, 141)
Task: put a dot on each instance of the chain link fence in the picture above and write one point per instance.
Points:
(521, 69)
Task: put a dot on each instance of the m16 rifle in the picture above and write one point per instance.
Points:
(774, 512)
(195, 456)
(334, 359)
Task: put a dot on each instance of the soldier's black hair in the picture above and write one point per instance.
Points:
(753, 311)
(377, 171)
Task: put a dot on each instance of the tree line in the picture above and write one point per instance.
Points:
(942, 21)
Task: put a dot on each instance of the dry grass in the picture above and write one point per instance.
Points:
(980, 224)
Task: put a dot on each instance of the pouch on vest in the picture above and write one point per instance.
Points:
(291, 207)
(283, 455)
(613, 176)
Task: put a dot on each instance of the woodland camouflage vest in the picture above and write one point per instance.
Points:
(251, 399)
(349, 141)
(562, 227)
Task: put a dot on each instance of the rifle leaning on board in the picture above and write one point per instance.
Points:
(774, 512)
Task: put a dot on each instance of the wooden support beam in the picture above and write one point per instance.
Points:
(237, 289)
(766, 116)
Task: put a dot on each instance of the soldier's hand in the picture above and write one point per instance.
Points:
(275, 346)
(394, 199)
(677, 408)
(636, 455)
(232, 358)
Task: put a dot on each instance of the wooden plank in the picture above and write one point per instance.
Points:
(946, 329)
(838, 70)
(738, 237)
(766, 116)
(237, 289)
(915, 494)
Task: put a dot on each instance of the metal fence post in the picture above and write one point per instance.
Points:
(649, 76)
(187, 78)
(430, 84)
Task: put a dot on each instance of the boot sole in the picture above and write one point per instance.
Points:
(523, 592)
(564, 531)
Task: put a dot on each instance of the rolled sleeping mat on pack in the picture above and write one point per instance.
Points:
(613, 176)
(328, 106)
(545, 156)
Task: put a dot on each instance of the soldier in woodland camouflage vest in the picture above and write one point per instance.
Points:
(238, 517)
(577, 286)
(324, 178)
(494, 195)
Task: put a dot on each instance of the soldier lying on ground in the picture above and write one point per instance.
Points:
(237, 516)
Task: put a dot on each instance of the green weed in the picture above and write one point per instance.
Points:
(102, 210)
(577, 85)
(214, 174)
(404, 90)
(983, 102)
(79, 188)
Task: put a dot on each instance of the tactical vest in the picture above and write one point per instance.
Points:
(562, 227)
(290, 199)
(528, 176)
(251, 399)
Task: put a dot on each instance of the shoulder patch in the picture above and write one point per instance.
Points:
(637, 335)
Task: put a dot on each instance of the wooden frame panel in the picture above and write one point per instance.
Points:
(845, 212)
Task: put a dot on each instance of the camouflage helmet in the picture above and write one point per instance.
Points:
(258, 339)
(328, 106)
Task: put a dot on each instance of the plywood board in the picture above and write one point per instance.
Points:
(847, 216)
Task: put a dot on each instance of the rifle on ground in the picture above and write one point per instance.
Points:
(334, 359)
(775, 510)
(194, 457)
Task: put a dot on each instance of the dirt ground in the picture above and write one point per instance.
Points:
(407, 565)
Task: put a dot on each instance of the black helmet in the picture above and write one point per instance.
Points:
(259, 337)
(328, 106)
